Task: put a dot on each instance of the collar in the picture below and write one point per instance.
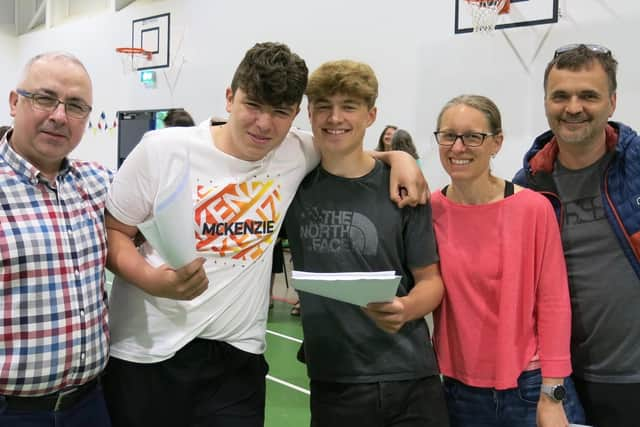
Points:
(23, 167)
(544, 159)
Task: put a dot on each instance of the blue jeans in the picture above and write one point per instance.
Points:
(91, 412)
(486, 407)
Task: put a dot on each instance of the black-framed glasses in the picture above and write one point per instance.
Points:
(592, 47)
(48, 103)
(470, 139)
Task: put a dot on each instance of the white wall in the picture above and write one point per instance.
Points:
(8, 69)
(420, 63)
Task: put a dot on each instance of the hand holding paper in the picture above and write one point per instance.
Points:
(389, 316)
(359, 288)
(185, 283)
(171, 231)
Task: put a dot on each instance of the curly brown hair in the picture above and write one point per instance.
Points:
(271, 74)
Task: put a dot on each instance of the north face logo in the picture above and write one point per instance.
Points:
(329, 231)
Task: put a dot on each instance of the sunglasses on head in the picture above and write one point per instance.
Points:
(592, 47)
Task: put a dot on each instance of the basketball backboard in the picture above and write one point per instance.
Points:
(153, 35)
(522, 13)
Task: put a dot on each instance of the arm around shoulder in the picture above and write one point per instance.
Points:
(407, 186)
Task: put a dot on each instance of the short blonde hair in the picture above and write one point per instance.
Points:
(346, 77)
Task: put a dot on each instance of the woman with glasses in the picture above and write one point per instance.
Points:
(502, 331)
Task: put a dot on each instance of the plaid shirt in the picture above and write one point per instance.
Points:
(54, 332)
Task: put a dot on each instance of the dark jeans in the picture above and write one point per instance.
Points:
(610, 405)
(91, 411)
(417, 403)
(206, 383)
(487, 407)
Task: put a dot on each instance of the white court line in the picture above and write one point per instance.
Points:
(279, 381)
(287, 337)
(295, 387)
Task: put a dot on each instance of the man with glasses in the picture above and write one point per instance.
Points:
(588, 168)
(53, 251)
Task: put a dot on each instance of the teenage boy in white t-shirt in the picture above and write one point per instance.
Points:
(187, 344)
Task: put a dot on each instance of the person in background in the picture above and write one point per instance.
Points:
(384, 141)
(371, 366)
(183, 352)
(55, 334)
(503, 330)
(178, 117)
(402, 141)
(587, 166)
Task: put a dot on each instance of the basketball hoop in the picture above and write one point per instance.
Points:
(484, 14)
(133, 58)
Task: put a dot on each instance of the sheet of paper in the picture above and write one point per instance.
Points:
(359, 288)
(170, 231)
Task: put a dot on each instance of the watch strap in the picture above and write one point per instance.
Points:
(549, 390)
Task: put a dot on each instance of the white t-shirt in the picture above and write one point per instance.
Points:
(239, 207)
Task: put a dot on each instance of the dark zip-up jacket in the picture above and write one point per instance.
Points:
(620, 184)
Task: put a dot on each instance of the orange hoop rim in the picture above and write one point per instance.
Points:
(134, 51)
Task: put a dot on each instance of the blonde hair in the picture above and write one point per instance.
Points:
(347, 77)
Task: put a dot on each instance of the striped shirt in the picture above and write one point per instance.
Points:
(54, 331)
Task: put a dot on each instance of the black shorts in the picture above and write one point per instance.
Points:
(414, 403)
(206, 383)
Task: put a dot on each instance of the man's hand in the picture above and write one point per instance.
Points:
(407, 186)
(389, 316)
(185, 283)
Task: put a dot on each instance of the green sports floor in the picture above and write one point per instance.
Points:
(287, 382)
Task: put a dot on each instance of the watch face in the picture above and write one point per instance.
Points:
(559, 392)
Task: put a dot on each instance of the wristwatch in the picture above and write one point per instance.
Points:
(557, 392)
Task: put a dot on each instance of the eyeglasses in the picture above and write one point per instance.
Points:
(42, 102)
(592, 47)
(471, 139)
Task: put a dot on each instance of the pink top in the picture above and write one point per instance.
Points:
(506, 291)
